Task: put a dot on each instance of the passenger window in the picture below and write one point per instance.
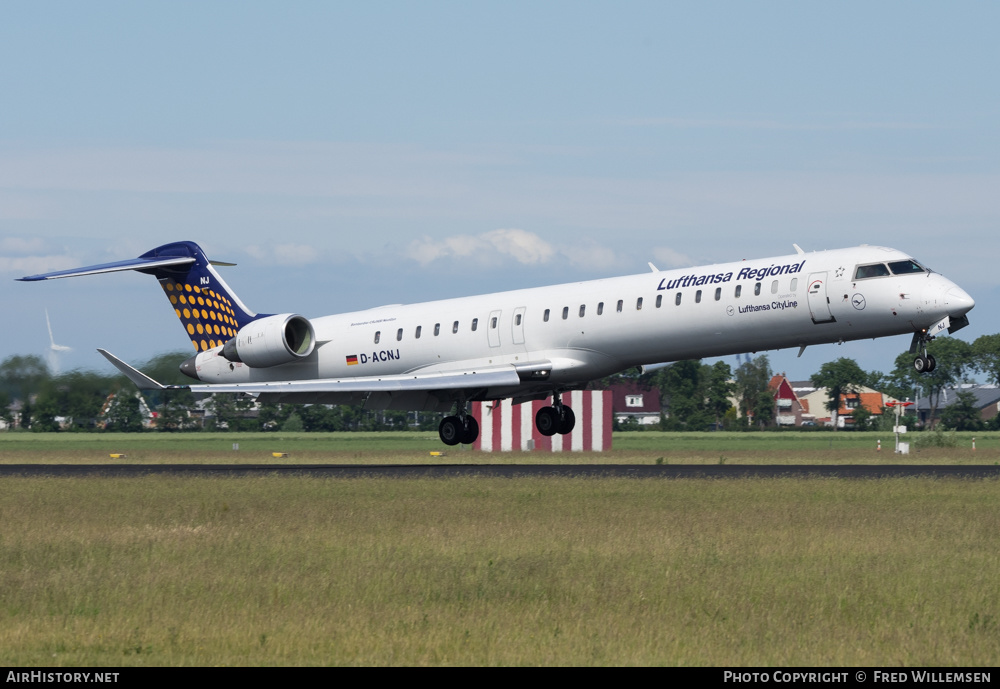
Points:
(677, 299)
(378, 336)
(739, 291)
(517, 319)
(437, 329)
(546, 316)
(583, 309)
(417, 334)
(454, 327)
(565, 312)
(475, 324)
(718, 293)
(756, 290)
(600, 308)
(697, 297)
(659, 300)
(638, 304)
(399, 335)
(774, 287)
(794, 284)
(620, 305)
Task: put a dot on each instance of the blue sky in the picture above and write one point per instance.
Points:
(348, 155)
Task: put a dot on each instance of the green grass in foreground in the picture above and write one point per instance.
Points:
(261, 571)
(415, 447)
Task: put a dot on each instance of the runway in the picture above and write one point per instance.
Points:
(661, 471)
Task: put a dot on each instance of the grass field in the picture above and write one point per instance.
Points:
(292, 571)
(409, 448)
(471, 571)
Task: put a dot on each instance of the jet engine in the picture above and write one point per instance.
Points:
(272, 341)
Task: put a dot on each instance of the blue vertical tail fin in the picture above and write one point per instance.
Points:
(207, 308)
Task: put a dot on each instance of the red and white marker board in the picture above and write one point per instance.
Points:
(504, 427)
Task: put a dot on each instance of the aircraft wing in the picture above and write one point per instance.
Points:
(114, 267)
(453, 380)
(429, 381)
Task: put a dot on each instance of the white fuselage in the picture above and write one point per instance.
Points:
(587, 330)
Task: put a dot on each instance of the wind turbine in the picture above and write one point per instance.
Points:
(54, 349)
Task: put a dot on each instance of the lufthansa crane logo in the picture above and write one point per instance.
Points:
(858, 302)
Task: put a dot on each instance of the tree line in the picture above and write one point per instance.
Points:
(85, 401)
(695, 395)
(699, 396)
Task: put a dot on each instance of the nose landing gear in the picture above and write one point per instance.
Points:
(924, 362)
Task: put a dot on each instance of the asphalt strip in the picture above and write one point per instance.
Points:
(689, 471)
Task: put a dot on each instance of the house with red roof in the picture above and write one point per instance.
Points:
(632, 400)
(789, 410)
(865, 398)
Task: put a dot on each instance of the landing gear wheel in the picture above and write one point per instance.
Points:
(567, 422)
(451, 430)
(470, 432)
(924, 363)
(547, 421)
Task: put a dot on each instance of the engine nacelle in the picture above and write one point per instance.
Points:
(272, 341)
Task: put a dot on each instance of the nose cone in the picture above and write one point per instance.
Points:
(190, 368)
(958, 301)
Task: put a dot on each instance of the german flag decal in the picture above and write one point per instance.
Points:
(352, 360)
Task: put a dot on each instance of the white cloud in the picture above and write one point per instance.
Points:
(32, 255)
(527, 248)
(777, 125)
(591, 256)
(524, 247)
(33, 265)
(671, 258)
(316, 169)
(21, 246)
(285, 254)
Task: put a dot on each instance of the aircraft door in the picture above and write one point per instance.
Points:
(517, 327)
(819, 303)
(493, 329)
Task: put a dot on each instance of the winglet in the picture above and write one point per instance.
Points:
(141, 380)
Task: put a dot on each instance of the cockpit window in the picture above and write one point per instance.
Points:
(874, 270)
(907, 266)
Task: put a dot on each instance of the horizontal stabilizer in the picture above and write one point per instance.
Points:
(116, 266)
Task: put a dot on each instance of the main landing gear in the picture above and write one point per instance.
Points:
(463, 428)
(460, 428)
(924, 363)
(555, 419)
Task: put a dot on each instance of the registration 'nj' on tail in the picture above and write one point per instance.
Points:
(207, 308)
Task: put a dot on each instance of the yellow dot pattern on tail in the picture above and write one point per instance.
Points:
(207, 316)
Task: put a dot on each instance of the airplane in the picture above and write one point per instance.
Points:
(532, 344)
